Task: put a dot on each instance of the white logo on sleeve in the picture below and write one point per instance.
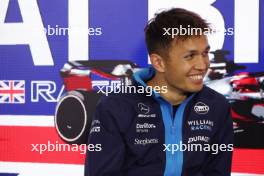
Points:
(143, 108)
(201, 108)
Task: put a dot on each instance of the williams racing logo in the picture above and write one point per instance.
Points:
(201, 108)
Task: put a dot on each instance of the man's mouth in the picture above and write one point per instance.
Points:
(197, 77)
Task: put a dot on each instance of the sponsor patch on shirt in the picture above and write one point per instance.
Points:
(197, 125)
(146, 141)
(201, 108)
(144, 127)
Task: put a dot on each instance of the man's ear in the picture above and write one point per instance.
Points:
(157, 62)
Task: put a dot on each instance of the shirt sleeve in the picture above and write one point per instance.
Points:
(219, 164)
(105, 133)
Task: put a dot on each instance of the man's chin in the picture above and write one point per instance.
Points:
(195, 88)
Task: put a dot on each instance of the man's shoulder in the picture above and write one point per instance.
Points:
(120, 108)
(121, 102)
(213, 95)
(117, 98)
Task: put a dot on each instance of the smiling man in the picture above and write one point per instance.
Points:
(183, 131)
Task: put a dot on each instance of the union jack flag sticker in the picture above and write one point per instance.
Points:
(12, 91)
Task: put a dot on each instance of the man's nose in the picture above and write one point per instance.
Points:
(202, 63)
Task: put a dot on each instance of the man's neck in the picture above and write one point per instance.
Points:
(172, 95)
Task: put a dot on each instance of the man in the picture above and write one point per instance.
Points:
(185, 130)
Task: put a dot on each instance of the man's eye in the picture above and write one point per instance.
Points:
(205, 54)
(189, 56)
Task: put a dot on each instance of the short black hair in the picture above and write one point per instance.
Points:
(176, 18)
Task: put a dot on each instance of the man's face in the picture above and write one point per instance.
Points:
(187, 64)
